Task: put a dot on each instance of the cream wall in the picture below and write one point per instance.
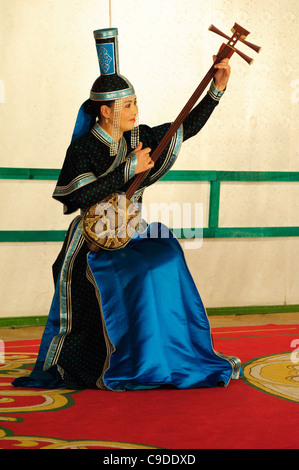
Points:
(47, 66)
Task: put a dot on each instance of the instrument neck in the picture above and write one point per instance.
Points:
(179, 120)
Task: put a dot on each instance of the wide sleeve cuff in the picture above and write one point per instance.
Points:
(214, 93)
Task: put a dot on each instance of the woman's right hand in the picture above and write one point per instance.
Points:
(144, 161)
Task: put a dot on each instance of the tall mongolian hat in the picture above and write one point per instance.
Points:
(109, 86)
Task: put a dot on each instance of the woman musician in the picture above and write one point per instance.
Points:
(132, 318)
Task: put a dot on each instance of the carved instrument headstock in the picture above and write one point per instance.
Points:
(239, 34)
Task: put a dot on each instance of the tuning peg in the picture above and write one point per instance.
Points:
(253, 46)
(239, 34)
(248, 59)
(217, 31)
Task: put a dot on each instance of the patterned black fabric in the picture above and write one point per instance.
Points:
(109, 82)
(84, 351)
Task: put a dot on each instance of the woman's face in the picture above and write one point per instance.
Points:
(128, 113)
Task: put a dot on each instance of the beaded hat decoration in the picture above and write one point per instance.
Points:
(110, 85)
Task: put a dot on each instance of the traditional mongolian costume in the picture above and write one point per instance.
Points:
(132, 318)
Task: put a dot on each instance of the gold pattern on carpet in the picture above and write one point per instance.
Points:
(37, 399)
(276, 374)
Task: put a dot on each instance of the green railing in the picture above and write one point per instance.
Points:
(212, 231)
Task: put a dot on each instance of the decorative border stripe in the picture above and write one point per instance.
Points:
(172, 154)
(65, 296)
(102, 135)
(76, 183)
(130, 167)
(214, 93)
(105, 33)
(113, 95)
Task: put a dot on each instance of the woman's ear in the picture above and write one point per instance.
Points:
(105, 111)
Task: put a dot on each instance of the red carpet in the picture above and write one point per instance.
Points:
(258, 412)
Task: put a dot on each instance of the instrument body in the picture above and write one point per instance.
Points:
(111, 223)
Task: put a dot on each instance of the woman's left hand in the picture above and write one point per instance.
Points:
(222, 74)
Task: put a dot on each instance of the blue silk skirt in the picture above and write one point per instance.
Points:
(155, 323)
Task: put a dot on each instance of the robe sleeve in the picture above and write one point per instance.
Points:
(78, 187)
(194, 122)
(200, 114)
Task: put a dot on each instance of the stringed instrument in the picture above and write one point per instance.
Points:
(111, 223)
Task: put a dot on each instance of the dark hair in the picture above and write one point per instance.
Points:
(94, 107)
